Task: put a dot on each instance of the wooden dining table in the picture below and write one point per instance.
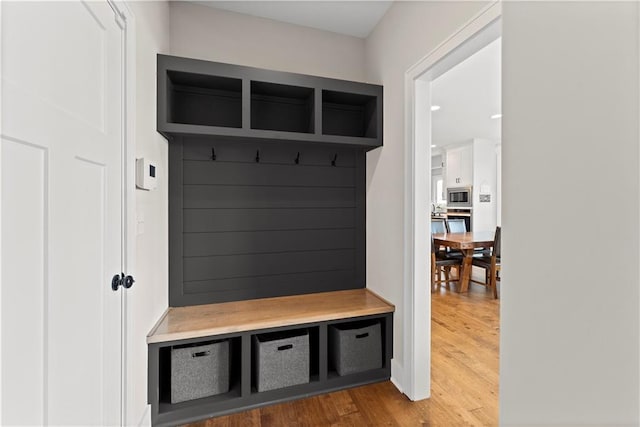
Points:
(466, 243)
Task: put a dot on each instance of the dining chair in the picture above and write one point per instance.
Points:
(456, 226)
(438, 226)
(442, 263)
(491, 265)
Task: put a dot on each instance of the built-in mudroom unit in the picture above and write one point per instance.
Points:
(267, 253)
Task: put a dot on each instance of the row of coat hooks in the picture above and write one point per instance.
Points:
(296, 160)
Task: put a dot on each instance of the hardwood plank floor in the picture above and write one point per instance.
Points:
(464, 379)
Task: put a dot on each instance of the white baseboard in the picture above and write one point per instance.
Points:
(145, 420)
(397, 375)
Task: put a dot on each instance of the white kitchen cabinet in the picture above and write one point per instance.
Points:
(475, 165)
(459, 172)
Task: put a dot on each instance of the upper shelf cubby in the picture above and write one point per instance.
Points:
(198, 99)
(213, 99)
(282, 107)
(349, 114)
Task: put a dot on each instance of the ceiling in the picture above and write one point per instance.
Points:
(468, 94)
(354, 18)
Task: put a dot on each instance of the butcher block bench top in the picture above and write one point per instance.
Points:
(197, 321)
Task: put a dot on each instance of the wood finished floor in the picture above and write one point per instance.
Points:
(464, 388)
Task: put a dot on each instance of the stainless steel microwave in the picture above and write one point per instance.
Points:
(460, 197)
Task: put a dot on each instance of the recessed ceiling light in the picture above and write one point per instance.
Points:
(435, 107)
(433, 145)
(496, 116)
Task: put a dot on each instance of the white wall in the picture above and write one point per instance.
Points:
(148, 298)
(569, 334)
(499, 184)
(484, 175)
(408, 32)
(206, 33)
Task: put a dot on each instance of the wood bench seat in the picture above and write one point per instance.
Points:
(197, 321)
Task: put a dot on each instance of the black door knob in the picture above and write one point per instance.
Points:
(116, 281)
(122, 280)
(128, 282)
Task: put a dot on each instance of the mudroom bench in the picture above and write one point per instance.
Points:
(215, 359)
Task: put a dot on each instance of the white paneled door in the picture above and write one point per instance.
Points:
(61, 214)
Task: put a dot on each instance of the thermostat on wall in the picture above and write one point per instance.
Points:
(146, 174)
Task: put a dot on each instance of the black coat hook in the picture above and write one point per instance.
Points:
(258, 156)
(213, 153)
(335, 158)
(298, 158)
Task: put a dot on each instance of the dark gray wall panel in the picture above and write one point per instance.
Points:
(229, 150)
(175, 221)
(224, 196)
(264, 174)
(253, 242)
(216, 220)
(263, 287)
(252, 229)
(361, 218)
(222, 267)
(281, 114)
(289, 283)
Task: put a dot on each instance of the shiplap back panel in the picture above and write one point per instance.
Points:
(253, 223)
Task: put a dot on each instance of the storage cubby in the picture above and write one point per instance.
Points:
(355, 347)
(205, 100)
(284, 359)
(165, 376)
(349, 114)
(282, 107)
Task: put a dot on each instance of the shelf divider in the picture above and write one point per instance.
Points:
(245, 367)
(246, 104)
(324, 353)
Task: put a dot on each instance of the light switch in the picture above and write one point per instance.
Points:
(140, 223)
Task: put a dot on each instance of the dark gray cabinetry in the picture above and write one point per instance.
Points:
(266, 180)
(267, 198)
(213, 99)
(243, 393)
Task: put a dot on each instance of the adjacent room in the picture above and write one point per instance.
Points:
(465, 213)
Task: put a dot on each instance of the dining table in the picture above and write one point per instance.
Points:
(466, 243)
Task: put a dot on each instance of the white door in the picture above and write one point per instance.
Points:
(61, 207)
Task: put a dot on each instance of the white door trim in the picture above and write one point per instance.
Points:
(1, 55)
(417, 303)
(128, 183)
(638, 17)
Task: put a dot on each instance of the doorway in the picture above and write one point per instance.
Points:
(479, 32)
